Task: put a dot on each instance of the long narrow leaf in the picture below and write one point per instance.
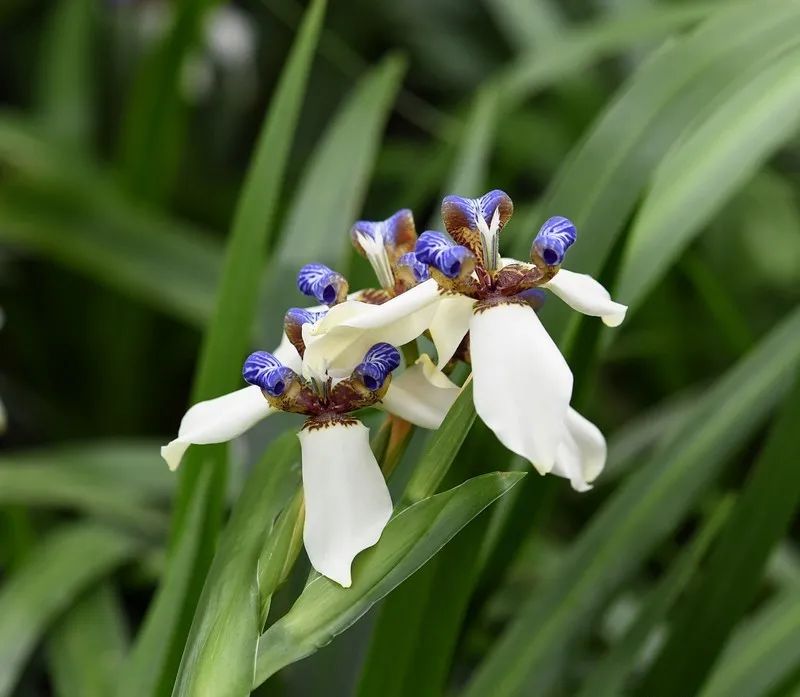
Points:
(640, 514)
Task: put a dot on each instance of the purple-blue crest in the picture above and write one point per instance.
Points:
(322, 283)
(267, 372)
(555, 237)
(438, 250)
(378, 362)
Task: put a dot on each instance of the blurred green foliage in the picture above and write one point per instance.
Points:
(164, 170)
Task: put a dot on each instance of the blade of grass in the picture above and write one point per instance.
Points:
(607, 678)
(220, 652)
(762, 515)
(699, 175)
(411, 538)
(601, 181)
(86, 647)
(65, 84)
(762, 653)
(330, 194)
(54, 572)
(640, 514)
(152, 134)
(224, 346)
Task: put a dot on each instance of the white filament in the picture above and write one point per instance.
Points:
(490, 240)
(375, 251)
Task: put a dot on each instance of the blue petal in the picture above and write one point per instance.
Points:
(397, 230)
(459, 212)
(300, 316)
(418, 269)
(322, 283)
(267, 372)
(437, 250)
(555, 237)
(379, 361)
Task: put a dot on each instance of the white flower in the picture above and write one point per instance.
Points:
(347, 501)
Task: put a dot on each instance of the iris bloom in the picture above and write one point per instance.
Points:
(522, 384)
(346, 498)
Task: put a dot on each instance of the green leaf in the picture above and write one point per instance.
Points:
(601, 181)
(86, 647)
(224, 348)
(331, 192)
(703, 171)
(147, 667)
(762, 653)
(411, 538)
(640, 514)
(762, 515)
(153, 127)
(55, 571)
(219, 653)
(65, 81)
(607, 678)
(441, 450)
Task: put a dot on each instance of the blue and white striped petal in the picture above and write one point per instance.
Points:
(553, 240)
(459, 212)
(379, 361)
(438, 250)
(267, 372)
(396, 231)
(322, 283)
(419, 271)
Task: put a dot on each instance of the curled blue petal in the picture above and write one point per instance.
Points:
(300, 316)
(418, 270)
(555, 237)
(396, 231)
(322, 283)
(535, 297)
(437, 250)
(459, 212)
(267, 372)
(379, 361)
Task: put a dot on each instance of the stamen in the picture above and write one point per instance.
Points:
(267, 372)
(374, 248)
(553, 240)
(486, 215)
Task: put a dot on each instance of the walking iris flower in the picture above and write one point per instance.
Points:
(522, 384)
(346, 498)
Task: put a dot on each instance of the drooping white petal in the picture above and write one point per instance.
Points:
(584, 294)
(449, 325)
(523, 384)
(347, 500)
(341, 338)
(581, 456)
(421, 394)
(216, 421)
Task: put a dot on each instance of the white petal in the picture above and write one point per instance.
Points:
(421, 394)
(287, 354)
(347, 500)
(341, 338)
(582, 293)
(581, 456)
(217, 421)
(523, 384)
(449, 325)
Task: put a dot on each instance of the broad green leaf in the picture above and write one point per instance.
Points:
(578, 48)
(324, 609)
(63, 487)
(527, 23)
(218, 372)
(608, 677)
(153, 127)
(704, 170)
(65, 80)
(219, 654)
(601, 181)
(441, 451)
(330, 194)
(87, 645)
(639, 514)
(763, 513)
(53, 574)
(762, 653)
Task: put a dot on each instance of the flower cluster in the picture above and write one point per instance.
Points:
(341, 356)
